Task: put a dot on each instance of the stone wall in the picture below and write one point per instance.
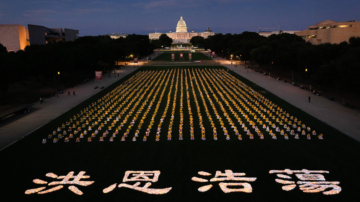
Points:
(23, 39)
(9, 37)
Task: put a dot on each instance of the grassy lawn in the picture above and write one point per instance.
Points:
(180, 160)
(195, 56)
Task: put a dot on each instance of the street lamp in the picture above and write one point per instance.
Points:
(58, 73)
(306, 70)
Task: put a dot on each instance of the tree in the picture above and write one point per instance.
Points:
(3, 49)
(354, 42)
(84, 55)
(156, 43)
(349, 71)
(4, 76)
(330, 65)
(326, 75)
(285, 50)
(165, 40)
(198, 41)
(261, 55)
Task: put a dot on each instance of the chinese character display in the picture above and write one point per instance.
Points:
(310, 181)
(140, 176)
(64, 180)
(227, 176)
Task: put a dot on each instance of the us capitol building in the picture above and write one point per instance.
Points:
(182, 36)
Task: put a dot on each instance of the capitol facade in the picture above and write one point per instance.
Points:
(182, 36)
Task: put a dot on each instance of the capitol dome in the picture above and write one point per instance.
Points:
(181, 25)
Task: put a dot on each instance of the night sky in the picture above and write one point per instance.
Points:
(95, 17)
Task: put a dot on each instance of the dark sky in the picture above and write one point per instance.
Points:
(95, 17)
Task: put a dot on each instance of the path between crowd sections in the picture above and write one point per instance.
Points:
(53, 107)
(332, 113)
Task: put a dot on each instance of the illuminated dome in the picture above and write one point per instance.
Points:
(181, 26)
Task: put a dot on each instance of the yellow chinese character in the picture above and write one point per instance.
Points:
(65, 180)
(311, 181)
(140, 176)
(229, 175)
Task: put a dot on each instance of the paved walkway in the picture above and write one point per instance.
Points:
(54, 107)
(334, 114)
(144, 60)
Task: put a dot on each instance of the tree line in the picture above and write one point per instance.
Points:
(334, 66)
(163, 41)
(84, 55)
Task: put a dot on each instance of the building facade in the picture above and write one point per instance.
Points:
(14, 37)
(117, 36)
(267, 34)
(17, 37)
(182, 36)
(41, 35)
(330, 31)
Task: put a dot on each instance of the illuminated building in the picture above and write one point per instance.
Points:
(17, 37)
(267, 34)
(330, 31)
(14, 37)
(42, 35)
(117, 36)
(182, 35)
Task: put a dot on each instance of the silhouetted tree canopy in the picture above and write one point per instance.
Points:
(86, 54)
(197, 41)
(2, 49)
(165, 40)
(331, 65)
